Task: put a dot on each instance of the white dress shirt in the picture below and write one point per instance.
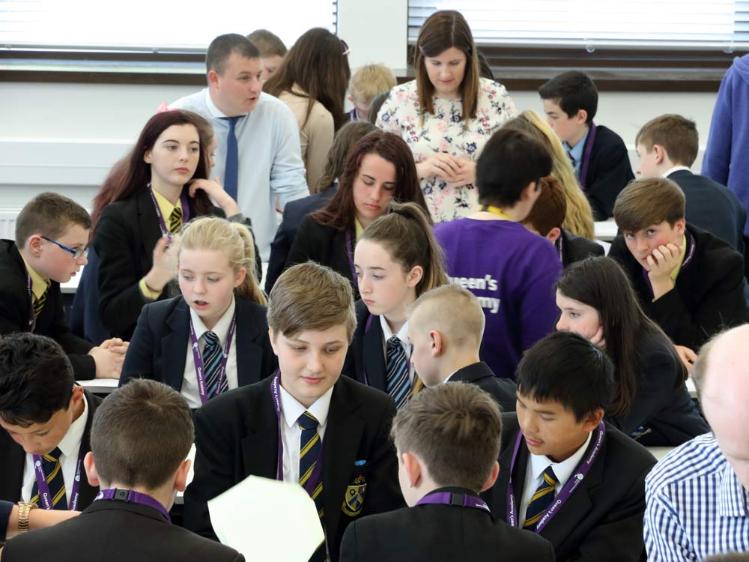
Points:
(402, 335)
(190, 390)
(291, 431)
(70, 447)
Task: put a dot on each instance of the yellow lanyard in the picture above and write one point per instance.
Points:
(495, 211)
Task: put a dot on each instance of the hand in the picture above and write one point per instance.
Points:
(215, 191)
(661, 263)
(164, 266)
(440, 165)
(686, 356)
(115, 345)
(108, 363)
(597, 339)
(467, 173)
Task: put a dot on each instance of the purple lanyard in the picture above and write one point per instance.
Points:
(451, 498)
(581, 470)
(350, 257)
(185, 210)
(197, 357)
(586, 155)
(129, 496)
(43, 487)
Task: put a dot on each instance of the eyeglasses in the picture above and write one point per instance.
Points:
(77, 254)
(345, 47)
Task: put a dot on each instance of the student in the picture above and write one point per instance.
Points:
(215, 336)
(139, 473)
(260, 429)
(563, 472)
(312, 82)
(397, 259)
(546, 219)
(367, 83)
(137, 212)
(295, 211)
(379, 169)
(448, 440)
(376, 105)
(510, 270)
(667, 147)
(45, 423)
(650, 401)
(272, 51)
(689, 282)
(447, 114)
(445, 329)
(598, 154)
(52, 234)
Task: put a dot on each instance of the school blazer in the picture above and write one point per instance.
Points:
(365, 360)
(293, 214)
(159, 346)
(236, 434)
(708, 295)
(603, 518)
(577, 248)
(116, 531)
(609, 171)
(324, 245)
(426, 533)
(501, 389)
(13, 458)
(15, 311)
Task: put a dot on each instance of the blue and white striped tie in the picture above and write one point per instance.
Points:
(212, 356)
(397, 383)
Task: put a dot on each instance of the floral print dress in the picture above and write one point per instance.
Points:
(445, 131)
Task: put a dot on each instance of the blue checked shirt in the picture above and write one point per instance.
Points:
(696, 506)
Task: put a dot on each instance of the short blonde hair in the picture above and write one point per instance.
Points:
(370, 80)
(234, 240)
(453, 311)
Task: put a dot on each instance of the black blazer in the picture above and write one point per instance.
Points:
(576, 248)
(293, 214)
(712, 207)
(708, 295)
(608, 171)
(365, 360)
(603, 518)
(324, 245)
(426, 533)
(160, 342)
(117, 531)
(236, 434)
(13, 459)
(15, 311)
(501, 389)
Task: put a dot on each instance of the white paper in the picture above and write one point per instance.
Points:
(258, 517)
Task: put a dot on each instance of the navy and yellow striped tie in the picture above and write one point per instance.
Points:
(175, 220)
(38, 303)
(541, 499)
(310, 475)
(52, 468)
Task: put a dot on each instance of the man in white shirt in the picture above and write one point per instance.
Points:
(258, 155)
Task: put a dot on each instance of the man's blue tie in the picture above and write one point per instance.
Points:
(231, 169)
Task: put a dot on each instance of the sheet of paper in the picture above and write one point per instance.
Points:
(258, 516)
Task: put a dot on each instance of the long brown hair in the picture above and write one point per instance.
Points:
(318, 64)
(442, 30)
(132, 174)
(346, 137)
(340, 213)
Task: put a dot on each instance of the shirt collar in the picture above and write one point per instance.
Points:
(213, 109)
(562, 470)
(675, 169)
(165, 206)
(221, 328)
(38, 283)
(292, 409)
(577, 150)
(358, 229)
(71, 443)
(732, 497)
(402, 334)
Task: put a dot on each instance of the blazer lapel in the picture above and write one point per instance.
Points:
(260, 446)
(374, 356)
(87, 492)
(249, 360)
(12, 462)
(174, 345)
(148, 226)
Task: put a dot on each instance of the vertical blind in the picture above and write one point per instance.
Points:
(697, 24)
(153, 25)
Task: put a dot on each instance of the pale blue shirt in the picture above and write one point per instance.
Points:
(270, 159)
(577, 152)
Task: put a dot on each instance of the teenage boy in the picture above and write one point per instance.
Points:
(448, 439)
(564, 473)
(45, 423)
(139, 471)
(272, 51)
(510, 270)
(258, 156)
(597, 153)
(546, 218)
(445, 327)
(667, 147)
(687, 280)
(306, 424)
(52, 234)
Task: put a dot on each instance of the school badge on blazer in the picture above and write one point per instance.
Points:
(353, 498)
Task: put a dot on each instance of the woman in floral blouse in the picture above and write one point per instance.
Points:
(447, 114)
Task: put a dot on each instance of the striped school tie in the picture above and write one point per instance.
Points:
(397, 384)
(541, 499)
(309, 457)
(39, 302)
(52, 468)
(212, 356)
(175, 220)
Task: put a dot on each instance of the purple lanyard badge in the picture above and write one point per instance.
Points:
(129, 496)
(45, 497)
(451, 498)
